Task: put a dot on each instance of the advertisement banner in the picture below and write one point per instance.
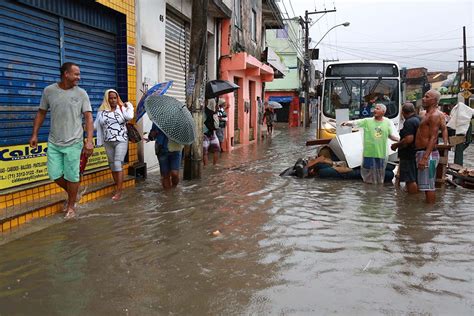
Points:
(21, 164)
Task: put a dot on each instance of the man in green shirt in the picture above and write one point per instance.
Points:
(68, 104)
(377, 130)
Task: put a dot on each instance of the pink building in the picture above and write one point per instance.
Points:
(249, 73)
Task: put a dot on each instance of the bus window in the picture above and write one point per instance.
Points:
(358, 86)
(360, 96)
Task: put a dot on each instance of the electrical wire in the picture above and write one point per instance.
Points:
(295, 34)
(405, 56)
(291, 5)
(402, 42)
(364, 54)
(296, 46)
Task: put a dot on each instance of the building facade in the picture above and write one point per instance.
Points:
(128, 45)
(288, 44)
(242, 45)
(37, 37)
(164, 52)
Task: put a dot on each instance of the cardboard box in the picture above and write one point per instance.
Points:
(349, 148)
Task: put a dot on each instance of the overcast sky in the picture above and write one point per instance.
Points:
(416, 33)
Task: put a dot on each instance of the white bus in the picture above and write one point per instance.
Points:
(357, 86)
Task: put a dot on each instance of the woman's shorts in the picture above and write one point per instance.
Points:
(116, 152)
(210, 144)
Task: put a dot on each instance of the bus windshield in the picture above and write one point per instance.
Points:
(360, 96)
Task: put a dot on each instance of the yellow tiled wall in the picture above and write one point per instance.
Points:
(127, 7)
(44, 190)
(57, 207)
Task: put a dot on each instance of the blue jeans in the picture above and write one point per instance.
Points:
(169, 161)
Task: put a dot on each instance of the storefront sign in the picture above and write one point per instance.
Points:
(21, 164)
(131, 60)
(274, 60)
(131, 55)
(131, 50)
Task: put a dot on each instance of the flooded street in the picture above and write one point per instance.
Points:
(286, 246)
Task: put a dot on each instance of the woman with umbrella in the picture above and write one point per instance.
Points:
(211, 125)
(268, 118)
(222, 115)
(168, 153)
(173, 127)
(112, 116)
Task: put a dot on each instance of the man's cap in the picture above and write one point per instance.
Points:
(221, 102)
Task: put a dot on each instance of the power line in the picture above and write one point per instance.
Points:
(403, 56)
(402, 42)
(405, 50)
(296, 46)
(352, 51)
(291, 5)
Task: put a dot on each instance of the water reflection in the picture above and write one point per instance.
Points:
(417, 227)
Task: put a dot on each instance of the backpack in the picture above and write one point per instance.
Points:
(222, 114)
(212, 120)
(216, 121)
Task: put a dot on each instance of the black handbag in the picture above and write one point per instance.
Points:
(133, 134)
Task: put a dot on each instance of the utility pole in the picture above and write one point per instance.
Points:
(194, 86)
(459, 149)
(464, 49)
(307, 63)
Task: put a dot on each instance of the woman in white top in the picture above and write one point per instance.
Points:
(112, 117)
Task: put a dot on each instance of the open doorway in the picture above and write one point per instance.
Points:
(283, 114)
(251, 110)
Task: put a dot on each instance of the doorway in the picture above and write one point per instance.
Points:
(283, 114)
(251, 110)
(150, 71)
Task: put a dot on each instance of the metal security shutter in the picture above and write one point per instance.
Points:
(94, 51)
(29, 61)
(177, 44)
(30, 57)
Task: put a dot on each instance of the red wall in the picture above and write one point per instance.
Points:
(294, 115)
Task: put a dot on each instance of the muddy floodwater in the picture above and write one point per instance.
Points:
(284, 246)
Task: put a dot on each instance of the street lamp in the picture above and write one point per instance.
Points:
(306, 63)
(345, 24)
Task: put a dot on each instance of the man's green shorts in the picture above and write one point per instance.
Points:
(64, 161)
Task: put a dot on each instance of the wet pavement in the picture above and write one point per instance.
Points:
(286, 246)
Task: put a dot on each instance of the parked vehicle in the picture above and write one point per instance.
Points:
(357, 86)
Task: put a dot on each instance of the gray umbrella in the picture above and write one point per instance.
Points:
(274, 105)
(172, 117)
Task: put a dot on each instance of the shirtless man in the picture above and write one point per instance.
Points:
(427, 156)
(444, 128)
